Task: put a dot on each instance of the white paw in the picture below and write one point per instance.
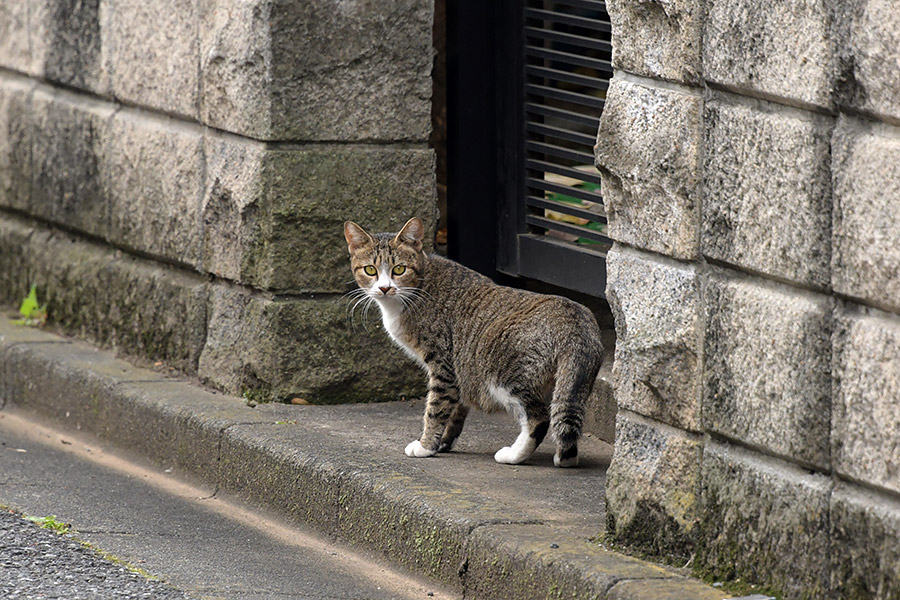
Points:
(509, 456)
(417, 450)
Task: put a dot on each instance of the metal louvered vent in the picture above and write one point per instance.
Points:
(527, 83)
(566, 74)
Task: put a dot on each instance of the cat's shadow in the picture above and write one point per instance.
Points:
(485, 433)
(539, 460)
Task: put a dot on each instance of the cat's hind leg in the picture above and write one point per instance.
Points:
(533, 419)
(454, 427)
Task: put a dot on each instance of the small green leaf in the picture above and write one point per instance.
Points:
(34, 315)
(30, 303)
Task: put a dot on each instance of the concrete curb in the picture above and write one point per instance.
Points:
(431, 525)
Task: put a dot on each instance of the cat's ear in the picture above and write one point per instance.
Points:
(356, 236)
(412, 233)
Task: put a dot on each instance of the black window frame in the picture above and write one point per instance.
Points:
(488, 224)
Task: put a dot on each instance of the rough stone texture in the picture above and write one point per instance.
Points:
(662, 589)
(268, 69)
(15, 278)
(152, 174)
(600, 408)
(171, 423)
(868, 41)
(866, 166)
(152, 312)
(767, 202)
(236, 66)
(649, 153)
(43, 377)
(15, 52)
(151, 51)
(118, 174)
(764, 522)
(657, 38)
(65, 43)
(364, 72)
(271, 216)
(865, 416)
(652, 487)
(307, 348)
(14, 335)
(274, 217)
(865, 556)
(131, 305)
(574, 569)
(58, 40)
(263, 215)
(768, 360)
(658, 329)
(66, 184)
(234, 208)
(325, 70)
(15, 140)
(782, 49)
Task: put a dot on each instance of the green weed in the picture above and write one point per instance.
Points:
(50, 522)
(33, 314)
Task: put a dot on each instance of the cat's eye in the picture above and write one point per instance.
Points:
(371, 271)
(399, 270)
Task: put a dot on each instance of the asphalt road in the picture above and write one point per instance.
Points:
(199, 544)
(38, 563)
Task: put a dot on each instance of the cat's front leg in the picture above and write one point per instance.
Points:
(443, 398)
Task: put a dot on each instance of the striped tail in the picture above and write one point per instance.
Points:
(575, 375)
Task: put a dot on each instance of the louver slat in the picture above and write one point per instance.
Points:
(567, 71)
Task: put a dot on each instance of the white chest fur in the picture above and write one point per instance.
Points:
(390, 317)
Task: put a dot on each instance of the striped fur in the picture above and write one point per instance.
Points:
(482, 345)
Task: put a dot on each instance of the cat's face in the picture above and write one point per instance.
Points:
(387, 266)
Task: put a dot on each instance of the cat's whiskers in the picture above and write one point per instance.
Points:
(412, 298)
(357, 303)
(416, 292)
(353, 312)
(407, 302)
(370, 301)
(350, 297)
(357, 297)
(352, 294)
(421, 292)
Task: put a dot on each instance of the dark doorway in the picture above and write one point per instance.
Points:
(525, 86)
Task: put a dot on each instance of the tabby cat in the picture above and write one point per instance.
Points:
(482, 344)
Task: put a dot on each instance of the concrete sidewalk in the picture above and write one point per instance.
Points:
(484, 529)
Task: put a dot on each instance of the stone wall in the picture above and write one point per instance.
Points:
(174, 176)
(750, 158)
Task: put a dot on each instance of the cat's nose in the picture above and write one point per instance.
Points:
(385, 290)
